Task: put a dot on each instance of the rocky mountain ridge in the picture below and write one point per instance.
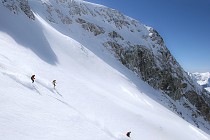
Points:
(138, 47)
(202, 79)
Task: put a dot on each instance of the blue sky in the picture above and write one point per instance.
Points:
(183, 24)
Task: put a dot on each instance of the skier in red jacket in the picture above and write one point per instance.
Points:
(33, 78)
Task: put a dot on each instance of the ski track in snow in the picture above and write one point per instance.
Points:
(38, 84)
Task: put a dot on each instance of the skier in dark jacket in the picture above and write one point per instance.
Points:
(54, 83)
(33, 78)
(128, 134)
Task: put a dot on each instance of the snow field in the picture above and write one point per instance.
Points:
(93, 100)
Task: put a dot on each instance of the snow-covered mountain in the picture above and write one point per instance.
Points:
(113, 74)
(202, 79)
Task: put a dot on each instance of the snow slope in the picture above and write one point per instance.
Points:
(93, 100)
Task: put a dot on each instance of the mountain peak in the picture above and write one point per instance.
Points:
(203, 79)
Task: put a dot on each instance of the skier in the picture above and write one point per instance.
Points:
(54, 83)
(33, 78)
(128, 134)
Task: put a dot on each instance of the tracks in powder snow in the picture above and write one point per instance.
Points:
(44, 87)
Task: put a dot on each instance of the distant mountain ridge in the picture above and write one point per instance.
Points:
(203, 79)
(138, 47)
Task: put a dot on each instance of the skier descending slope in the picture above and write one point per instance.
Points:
(128, 134)
(33, 78)
(54, 83)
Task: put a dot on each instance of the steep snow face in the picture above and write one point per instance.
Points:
(140, 48)
(96, 97)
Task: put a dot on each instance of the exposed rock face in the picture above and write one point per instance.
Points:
(138, 47)
(19, 5)
(162, 72)
(90, 27)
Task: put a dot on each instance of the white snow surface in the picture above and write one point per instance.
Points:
(93, 99)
